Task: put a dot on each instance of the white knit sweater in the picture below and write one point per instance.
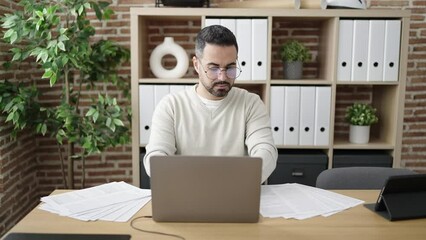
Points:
(183, 125)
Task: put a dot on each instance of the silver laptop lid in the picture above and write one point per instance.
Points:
(205, 189)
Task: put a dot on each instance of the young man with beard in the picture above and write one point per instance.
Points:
(213, 118)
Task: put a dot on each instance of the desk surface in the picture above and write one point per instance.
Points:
(355, 223)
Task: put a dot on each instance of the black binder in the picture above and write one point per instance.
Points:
(403, 197)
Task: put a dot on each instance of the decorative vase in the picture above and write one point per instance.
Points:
(359, 134)
(293, 70)
(169, 47)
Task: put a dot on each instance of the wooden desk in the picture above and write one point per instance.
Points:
(355, 223)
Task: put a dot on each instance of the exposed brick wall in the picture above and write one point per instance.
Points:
(18, 182)
(29, 166)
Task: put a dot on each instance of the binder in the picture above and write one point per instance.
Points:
(307, 116)
(176, 88)
(259, 49)
(376, 37)
(159, 92)
(244, 47)
(211, 21)
(291, 115)
(360, 50)
(146, 109)
(403, 197)
(392, 48)
(322, 116)
(277, 114)
(229, 23)
(375, 50)
(344, 66)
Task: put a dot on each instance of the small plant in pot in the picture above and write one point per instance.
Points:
(360, 117)
(293, 54)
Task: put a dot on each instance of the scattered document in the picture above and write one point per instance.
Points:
(115, 201)
(299, 201)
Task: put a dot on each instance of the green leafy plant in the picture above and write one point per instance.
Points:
(293, 51)
(56, 35)
(361, 114)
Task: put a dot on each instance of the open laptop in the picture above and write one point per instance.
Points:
(205, 189)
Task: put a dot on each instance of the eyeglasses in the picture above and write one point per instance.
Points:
(212, 73)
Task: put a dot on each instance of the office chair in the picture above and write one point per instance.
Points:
(358, 177)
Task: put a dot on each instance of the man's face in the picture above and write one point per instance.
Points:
(215, 84)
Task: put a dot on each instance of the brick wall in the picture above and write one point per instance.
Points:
(29, 166)
(18, 181)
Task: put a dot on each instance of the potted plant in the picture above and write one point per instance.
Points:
(57, 38)
(360, 117)
(293, 54)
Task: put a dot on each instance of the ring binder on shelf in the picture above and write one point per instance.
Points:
(403, 197)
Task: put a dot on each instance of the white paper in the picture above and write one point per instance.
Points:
(300, 202)
(116, 201)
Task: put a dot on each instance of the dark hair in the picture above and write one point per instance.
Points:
(214, 34)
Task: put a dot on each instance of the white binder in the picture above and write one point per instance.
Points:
(360, 51)
(277, 114)
(159, 92)
(259, 49)
(176, 88)
(307, 116)
(322, 116)
(375, 50)
(229, 23)
(392, 48)
(291, 115)
(212, 21)
(244, 47)
(146, 109)
(344, 66)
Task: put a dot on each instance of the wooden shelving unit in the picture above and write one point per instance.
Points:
(387, 97)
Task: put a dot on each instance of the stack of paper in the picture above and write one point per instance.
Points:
(115, 201)
(300, 202)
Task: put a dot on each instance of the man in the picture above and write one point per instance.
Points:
(213, 117)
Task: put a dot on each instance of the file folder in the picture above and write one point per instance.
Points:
(344, 67)
(322, 116)
(291, 115)
(211, 21)
(259, 49)
(176, 88)
(146, 109)
(277, 114)
(159, 92)
(307, 116)
(244, 47)
(360, 50)
(229, 23)
(375, 50)
(392, 48)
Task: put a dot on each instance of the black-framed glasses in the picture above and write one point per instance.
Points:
(212, 73)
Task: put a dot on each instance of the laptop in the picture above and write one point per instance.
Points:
(205, 189)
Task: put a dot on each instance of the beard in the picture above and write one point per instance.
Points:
(219, 88)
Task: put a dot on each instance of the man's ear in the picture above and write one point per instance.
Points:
(195, 63)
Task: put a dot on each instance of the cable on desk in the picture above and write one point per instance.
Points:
(153, 232)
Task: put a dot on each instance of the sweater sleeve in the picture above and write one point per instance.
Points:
(162, 137)
(259, 140)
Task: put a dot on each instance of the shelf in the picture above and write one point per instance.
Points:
(319, 30)
(300, 82)
(168, 81)
(342, 143)
(393, 83)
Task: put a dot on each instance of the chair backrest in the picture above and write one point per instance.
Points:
(358, 177)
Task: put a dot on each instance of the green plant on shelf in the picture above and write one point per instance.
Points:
(361, 114)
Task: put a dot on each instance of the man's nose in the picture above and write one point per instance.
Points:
(222, 75)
